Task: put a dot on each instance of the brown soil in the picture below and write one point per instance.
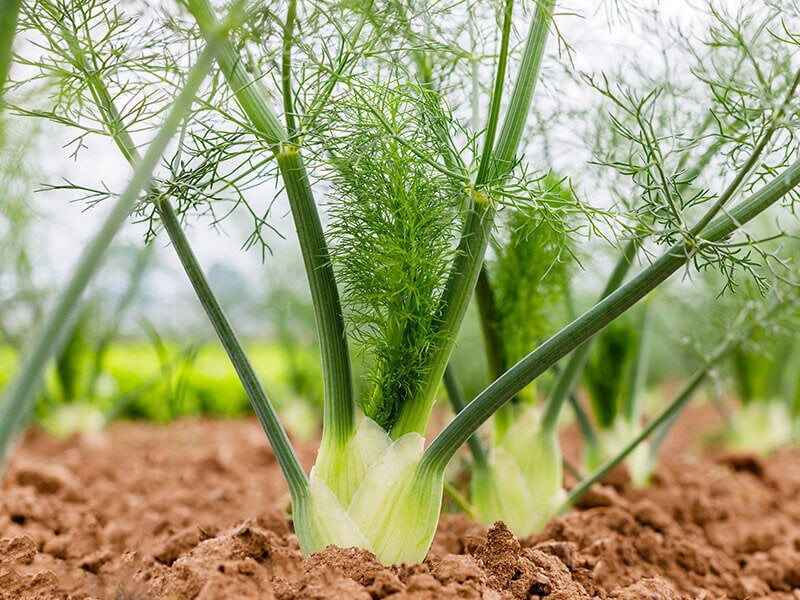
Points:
(195, 510)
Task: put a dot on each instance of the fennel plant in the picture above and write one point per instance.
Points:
(327, 97)
(669, 175)
(764, 376)
(622, 350)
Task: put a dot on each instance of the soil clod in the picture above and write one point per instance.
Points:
(135, 521)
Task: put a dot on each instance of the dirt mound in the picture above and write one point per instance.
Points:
(194, 510)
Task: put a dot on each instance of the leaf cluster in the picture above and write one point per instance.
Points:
(136, 55)
(608, 374)
(394, 222)
(763, 367)
(672, 156)
(534, 259)
(76, 42)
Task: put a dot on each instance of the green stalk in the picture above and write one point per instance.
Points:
(790, 379)
(460, 500)
(339, 409)
(252, 96)
(487, 310)
(479, 222)
(588, 432)
(21, 392)
(456, 395)
(281, 446)
(286, 68)
(495, 351)
(566, 378)
(474, 70)
(742, 376)
(9, 13)
(534, 364)
(250, 93)
(519, 106)
(631, 404)
(485, 163)
(572, 469)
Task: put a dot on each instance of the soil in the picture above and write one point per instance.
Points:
(196, 509)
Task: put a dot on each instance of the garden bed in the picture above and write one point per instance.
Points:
(196, 509)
